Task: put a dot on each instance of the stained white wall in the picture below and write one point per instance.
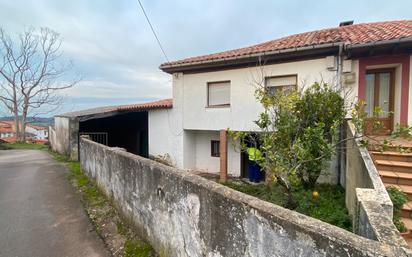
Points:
(166, 135)
(244, 108)
(207, 163)
(204, 161)
(176, 131)
(350, 91)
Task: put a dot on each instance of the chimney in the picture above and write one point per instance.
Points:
(345, 23)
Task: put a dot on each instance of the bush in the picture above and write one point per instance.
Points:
(299, 134)
(329, 206)
(398, 199)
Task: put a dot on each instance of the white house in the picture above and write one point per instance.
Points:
(214, 92)
(39, 132)
(6, 129)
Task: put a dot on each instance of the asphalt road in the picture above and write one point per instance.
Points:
(40, 214)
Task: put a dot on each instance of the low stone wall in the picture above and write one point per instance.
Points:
(182, 214)
(366, 197)
(362, 173)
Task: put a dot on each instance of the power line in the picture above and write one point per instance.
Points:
(154, 33)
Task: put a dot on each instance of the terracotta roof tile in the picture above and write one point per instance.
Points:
(8, 139)
(6, 130)
(161, 104)
(351, 34)
(37, 127)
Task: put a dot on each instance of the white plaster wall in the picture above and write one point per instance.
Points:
(6, 134)
(165, 136)
(60, 141)
(189, 149)
(39, 134)
(350, 91)
(207, 163)
(204, 161)
(244, 108)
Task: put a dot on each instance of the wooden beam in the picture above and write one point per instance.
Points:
(223, 155)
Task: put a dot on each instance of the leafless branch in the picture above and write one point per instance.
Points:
(31, 73)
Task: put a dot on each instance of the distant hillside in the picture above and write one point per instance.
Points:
(40, 121)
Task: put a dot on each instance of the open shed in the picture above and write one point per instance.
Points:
(124, 126)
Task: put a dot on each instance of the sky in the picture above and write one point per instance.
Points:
(116, 54)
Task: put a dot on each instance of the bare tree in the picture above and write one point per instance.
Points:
(31, 74)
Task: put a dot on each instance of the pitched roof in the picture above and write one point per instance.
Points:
(350, 34)
(37, 127)
(161, 104)
(6, 130)
(8, 139)
(5, 124)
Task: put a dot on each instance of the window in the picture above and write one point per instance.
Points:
(284, 83)
(218, 94)
(215, 148)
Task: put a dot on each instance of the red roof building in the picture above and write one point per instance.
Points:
(348, 35)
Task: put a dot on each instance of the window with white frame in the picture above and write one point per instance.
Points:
(284, 83)
(218, 94)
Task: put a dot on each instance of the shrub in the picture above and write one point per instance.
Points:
(298, 134)
(398, 199)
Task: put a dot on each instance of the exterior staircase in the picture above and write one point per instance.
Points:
(395, 169)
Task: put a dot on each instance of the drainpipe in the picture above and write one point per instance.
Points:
(340, 155)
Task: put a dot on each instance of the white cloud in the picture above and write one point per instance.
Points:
(114, 50)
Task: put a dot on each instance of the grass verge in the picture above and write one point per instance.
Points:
(329, 206)
(19, 146)
(119, 238)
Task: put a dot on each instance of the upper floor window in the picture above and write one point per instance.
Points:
(218, 94)
(284, 83)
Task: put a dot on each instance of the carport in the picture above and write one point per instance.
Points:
(124, 126)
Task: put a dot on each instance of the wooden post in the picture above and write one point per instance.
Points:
(223, 155)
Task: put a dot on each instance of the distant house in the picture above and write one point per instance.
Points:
(33, 132)
(6, 129)
(39, 132)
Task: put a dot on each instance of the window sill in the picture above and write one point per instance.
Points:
(218, 106)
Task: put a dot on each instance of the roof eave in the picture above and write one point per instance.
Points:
(171, 68)
(380, 43)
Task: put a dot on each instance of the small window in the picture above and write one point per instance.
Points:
(284, 83)
(215, 148)
(218, 94)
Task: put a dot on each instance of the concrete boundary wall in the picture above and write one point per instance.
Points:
(366, 197)
(64, 136)
(182, 214)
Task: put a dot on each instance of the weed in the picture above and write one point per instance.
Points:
(137, 248)
(329, 206)
(21, 146)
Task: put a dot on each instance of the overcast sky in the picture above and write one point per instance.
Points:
(112, 47)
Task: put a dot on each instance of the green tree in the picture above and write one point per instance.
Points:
(298, 134)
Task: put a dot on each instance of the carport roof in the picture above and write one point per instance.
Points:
(112, 110)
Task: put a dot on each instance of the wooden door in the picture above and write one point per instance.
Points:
(379, 92)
